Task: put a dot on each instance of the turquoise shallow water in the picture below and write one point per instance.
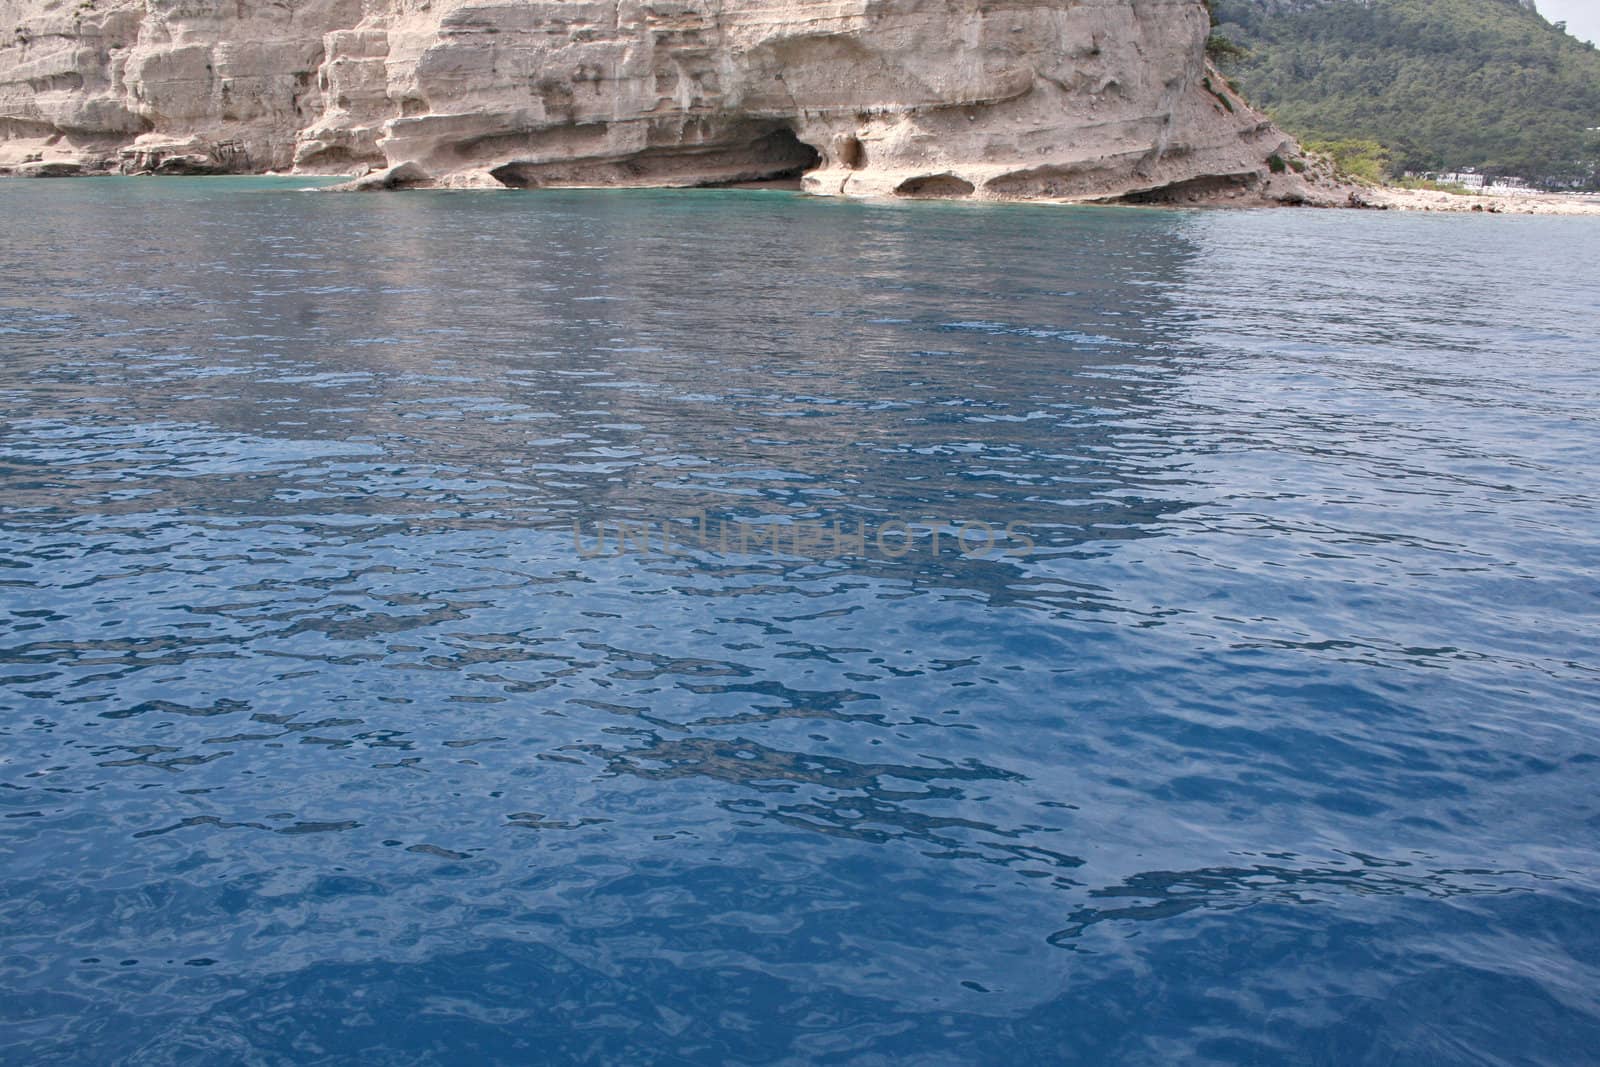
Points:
(1270, 736)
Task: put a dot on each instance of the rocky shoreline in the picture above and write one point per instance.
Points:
(1313, 189)
(1456, 203)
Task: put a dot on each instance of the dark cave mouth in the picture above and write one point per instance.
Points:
(768, 156)
(781, 159)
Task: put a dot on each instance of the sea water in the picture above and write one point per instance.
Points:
(737, 628)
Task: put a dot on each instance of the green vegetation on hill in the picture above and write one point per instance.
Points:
(1439, 84)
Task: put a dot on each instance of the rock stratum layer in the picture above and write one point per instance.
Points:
(992, 99)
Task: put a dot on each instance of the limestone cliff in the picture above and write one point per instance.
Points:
(985, 98)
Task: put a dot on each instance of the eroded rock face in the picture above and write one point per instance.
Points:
(1069, 99)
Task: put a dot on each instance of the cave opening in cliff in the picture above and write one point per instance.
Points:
(743, 155)
(1193, 191)
(776, 159)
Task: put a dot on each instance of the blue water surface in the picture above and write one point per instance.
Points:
(1271, 735)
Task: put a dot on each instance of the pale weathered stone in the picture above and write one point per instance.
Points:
(1059, 99)
(396, 177)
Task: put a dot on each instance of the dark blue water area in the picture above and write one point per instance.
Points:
(1270, 734)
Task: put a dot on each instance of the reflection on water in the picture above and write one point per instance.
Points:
(323, 739)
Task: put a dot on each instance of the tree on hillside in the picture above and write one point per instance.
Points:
(1442, 84)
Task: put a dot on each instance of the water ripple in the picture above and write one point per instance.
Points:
(323, 738)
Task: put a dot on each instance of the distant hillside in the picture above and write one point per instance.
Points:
(1443, 84)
